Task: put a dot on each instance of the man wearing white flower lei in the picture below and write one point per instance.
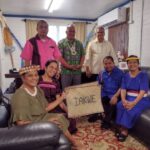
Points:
(73, 53)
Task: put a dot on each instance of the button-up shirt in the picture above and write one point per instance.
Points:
(73, 59)
(110, 82)
(96, 52)
(48, 50)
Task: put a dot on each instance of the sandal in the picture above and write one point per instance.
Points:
(117, 133)
(122, 137)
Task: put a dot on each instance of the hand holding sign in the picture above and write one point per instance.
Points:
(83, 100)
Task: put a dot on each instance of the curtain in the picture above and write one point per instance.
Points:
(80, 28)
(31, 28)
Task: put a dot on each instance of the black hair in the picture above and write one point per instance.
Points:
(49, 62)
(109, 57)
(40, 22)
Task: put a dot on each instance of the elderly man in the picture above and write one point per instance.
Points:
(96, 51)
(73, 53)
(39, 49)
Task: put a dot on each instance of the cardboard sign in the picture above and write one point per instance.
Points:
(83, 99)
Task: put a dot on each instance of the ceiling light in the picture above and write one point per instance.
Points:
(54, 5)
(47, 4)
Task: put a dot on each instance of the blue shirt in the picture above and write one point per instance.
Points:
(140, 82)
(110, 82)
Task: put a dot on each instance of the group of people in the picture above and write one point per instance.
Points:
(124, 95)
(41, 98)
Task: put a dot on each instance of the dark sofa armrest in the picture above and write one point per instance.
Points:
(64, 144)
(142, 127)
(29, 137)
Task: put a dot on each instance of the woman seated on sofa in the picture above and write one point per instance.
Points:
(133, 97)
(52, 91)
(28, 104)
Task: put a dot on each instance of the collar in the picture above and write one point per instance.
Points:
(96, 41)
(70, 42)
(38, 38)
(114, 69)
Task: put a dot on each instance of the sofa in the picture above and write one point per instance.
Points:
(35, 136)
(141, 130)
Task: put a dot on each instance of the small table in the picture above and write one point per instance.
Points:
(16, 76)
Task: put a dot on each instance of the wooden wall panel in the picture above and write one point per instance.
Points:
(118, 35)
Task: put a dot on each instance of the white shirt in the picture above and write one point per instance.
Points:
(96, 52)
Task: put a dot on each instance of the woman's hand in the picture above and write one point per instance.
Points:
(124, 103)
(63, 95)
(130, 105)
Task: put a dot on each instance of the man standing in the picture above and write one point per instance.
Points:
(96, 51)
(39, 49)
(73, 53)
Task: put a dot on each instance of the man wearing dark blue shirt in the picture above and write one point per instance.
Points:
(110, 81)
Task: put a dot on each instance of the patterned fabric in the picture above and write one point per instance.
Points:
(94, 138)
(72, 51)
(29, 69)
(51, 89)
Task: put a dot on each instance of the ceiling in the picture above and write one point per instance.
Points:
(79, 9)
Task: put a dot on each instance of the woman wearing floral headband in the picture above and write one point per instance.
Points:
(133, 97)
(29, 105)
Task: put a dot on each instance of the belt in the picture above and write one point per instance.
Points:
(135, 94)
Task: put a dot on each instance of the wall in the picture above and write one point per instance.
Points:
(139, 31)
(18, 28)
(145, 52)
(135, 29)
(1, 48)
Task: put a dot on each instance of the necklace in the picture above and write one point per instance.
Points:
(32, 94)
(72, 48)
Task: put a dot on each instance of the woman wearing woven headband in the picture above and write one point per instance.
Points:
(29, 104)
(52, 91)
(133, 97)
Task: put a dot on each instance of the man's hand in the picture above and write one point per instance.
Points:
(72, 67)
(78, 67)
(88, 73)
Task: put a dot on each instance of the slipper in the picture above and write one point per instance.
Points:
(117, 133)
(122, 137)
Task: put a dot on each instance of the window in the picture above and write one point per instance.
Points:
(57, 33)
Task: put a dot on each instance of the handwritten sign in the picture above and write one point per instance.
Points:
(83, 100)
